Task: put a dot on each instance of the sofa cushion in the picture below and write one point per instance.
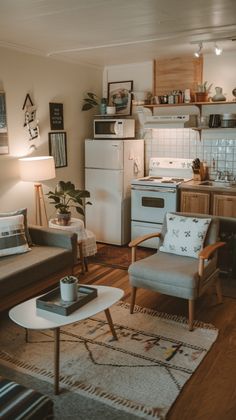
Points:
(185, 235)
(18, 271)
(12, 235)
(16, 213)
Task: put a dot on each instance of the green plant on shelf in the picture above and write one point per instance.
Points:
(91, 100)
(202, 88)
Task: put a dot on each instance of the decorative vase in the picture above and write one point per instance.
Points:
(218, 95)
(63, 219)
(69, 288)
(103, 106)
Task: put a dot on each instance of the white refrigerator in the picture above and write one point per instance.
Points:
(110, 165)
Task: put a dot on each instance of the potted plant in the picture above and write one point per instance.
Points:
(91, 100)
(203, 92)
(69, 288)
(66, 197)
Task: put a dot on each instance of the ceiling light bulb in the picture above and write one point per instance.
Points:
(199, 51)
(218, 50)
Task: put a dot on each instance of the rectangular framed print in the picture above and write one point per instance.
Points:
(120, 96)
(4, 148)
(56, 116)
(58, 148)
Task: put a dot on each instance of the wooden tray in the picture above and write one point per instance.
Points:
(52, 301)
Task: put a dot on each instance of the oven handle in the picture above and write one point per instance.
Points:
(162, 190)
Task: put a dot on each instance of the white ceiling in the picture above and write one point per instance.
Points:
(109, 32)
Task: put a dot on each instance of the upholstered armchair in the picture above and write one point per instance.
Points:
(185, 264)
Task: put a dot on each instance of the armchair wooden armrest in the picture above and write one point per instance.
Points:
(206, 253)
(133, 244)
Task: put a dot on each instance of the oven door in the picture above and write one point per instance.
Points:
(150, 204)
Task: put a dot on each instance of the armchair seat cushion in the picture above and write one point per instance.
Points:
(170, 274)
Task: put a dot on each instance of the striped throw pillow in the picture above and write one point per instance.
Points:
(16, 213)
(12, 236)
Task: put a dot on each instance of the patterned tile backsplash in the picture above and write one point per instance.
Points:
(216, 147)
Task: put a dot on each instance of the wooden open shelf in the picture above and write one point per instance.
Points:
(189, 104)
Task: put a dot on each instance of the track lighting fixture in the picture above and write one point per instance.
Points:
(199, 51)
(218, 50)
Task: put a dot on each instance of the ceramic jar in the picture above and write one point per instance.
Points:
(111, 110)
(218, 95)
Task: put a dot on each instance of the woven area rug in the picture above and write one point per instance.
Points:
(141, 373)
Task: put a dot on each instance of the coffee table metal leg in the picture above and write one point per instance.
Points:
(56, 359)
(111, 325)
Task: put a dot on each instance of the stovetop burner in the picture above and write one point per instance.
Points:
(162, 180)
(166, 172)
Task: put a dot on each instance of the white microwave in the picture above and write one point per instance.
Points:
(114, 128)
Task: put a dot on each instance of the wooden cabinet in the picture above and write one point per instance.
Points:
(224, 205)
(208, 202)
(195, 202)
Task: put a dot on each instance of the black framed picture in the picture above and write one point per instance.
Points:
(56, 116)
(58, 148)
(4, 149)
(120, 96)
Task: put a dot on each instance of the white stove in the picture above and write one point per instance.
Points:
(168, 171)
(156, 194)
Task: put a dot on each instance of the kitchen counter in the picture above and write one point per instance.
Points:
(209, 185)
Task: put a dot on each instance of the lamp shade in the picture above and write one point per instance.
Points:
(37, 168)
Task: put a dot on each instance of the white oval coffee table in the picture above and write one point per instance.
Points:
(28, 316)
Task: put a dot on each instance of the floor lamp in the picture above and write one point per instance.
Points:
(36, 169)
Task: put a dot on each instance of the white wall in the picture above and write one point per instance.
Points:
(46, 80)
(220, 70)
(140, 73)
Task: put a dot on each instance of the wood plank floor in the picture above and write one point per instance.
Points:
(211, 391)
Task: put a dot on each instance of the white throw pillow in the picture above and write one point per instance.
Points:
(185, 235)
(12, 236)
(16, 213)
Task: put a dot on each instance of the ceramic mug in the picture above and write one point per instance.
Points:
(69, 290)
(111, 110)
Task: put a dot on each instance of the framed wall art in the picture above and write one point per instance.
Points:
(58, 148)
(56, 116)
(120, 96)
(4, 150)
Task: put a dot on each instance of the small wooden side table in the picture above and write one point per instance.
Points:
(86, 239)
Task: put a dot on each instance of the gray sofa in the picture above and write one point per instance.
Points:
(53, 254)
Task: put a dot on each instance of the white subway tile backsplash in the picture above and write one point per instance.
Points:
(216, 147)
